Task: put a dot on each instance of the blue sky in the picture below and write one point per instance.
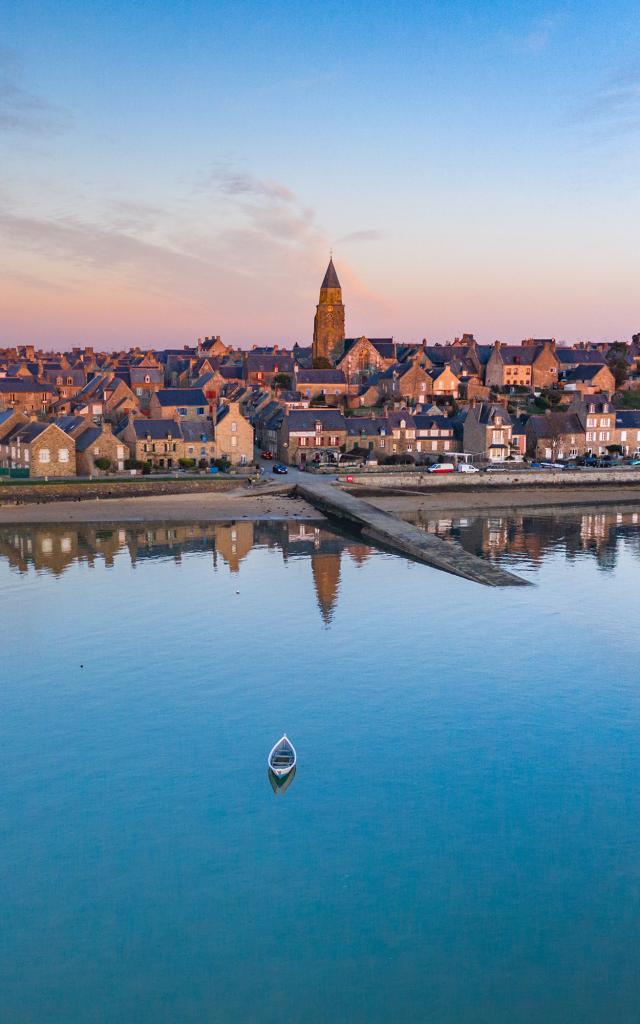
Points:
(179, 169)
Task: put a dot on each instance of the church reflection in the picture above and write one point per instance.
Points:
(524, 539)
(54, 549)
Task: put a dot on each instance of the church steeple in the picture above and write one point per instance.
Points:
(330, 278)
(328, 326)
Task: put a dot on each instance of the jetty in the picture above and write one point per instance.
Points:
(395, 535)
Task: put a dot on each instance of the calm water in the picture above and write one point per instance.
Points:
(461, 843)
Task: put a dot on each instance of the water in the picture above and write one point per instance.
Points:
(459, 845)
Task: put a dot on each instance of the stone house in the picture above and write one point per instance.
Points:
(158, 441)
(487, 432)
(436, 435)
(446, 384)
(41, 448)
(262, 368)
(408, 381)
(555, 435)
(627, 431)
(233, 435)
(589, 379)
(179, 403)
(534, 364)
(305, 433)
(599, 417)
(99, 442)
(27, 395)
(330, 384)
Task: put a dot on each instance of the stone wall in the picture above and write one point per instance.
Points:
(22, 493)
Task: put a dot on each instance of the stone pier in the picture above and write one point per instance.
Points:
(403, 538)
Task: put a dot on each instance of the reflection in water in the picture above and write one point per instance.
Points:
(53, 549)
(532, 537)
(281, 785)
(527, 538)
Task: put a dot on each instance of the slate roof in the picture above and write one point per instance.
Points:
(17, 385)
(181, 397)
(554, 423)
(320, 377)
(330, 278)
(306, 419)
(628, 418)
(158, 430)
(581, 373)
(197, 431)
(87, 437)
(580, 357)
(385, 347)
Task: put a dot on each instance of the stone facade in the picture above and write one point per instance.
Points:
(328, 325)
(233, 435)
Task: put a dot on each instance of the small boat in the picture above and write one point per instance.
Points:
(282, 757)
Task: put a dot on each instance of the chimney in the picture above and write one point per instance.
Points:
(106, 426)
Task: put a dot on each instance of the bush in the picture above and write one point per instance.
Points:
(102, 463)
(186, 463)
(132, 464)
(222, 464)
(146, 468)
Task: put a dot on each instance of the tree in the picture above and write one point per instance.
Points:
(282, 380)
(103, 463)
(617, 362)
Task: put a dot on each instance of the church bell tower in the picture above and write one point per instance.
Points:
(328, 325)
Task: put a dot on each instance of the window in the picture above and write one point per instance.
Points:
(69, 380)
(139, 392)
(43, 455)
(182, 411)
(302, 442)
(234, 428)
(591, 435)
(234, 442)
(200, 410)
(497, 437)
(120, 452)
(591, 421)
(605, 423)
(333, 441)
(147, 378)
(623, 435)
(604, 435)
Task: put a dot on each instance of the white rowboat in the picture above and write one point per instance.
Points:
(282, 758)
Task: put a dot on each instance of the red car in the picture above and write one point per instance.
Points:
(441, 467)
(266, 455)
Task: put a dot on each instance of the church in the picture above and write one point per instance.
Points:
(355, 356)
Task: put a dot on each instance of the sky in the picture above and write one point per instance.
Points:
(172, 170)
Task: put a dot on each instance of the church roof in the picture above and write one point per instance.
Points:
(330, 278)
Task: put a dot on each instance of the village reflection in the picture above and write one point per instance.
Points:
(53, 549)
(531, 538)
(595, 532)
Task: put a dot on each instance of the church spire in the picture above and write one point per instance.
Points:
(331, 278)
(328, 326)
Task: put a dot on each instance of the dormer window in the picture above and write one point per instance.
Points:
(147, 378)
(592, 408)
(403, 424)
(318, 427)
(58, 381)
(70, 380)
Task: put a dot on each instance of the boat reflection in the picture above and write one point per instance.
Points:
(281, 785)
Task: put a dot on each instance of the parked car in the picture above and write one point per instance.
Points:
(634, 462)
(266, 454)
(441, 467)
(279, 468)
(466, 467)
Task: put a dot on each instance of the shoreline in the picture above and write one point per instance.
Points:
(285, 504)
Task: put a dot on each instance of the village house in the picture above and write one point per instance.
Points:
(233, 435)
(95, 441)
(599, 417)
(155, 441)
(446, 384)
(534, 364)
(42, 449)
(627, 431)
(26, 395)
(589, 379)
(555, 435)
(330, 385)
(436, 435)
(487, 432)
(263, 368)
(178, 403)
(305, 433)
(408, 382)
